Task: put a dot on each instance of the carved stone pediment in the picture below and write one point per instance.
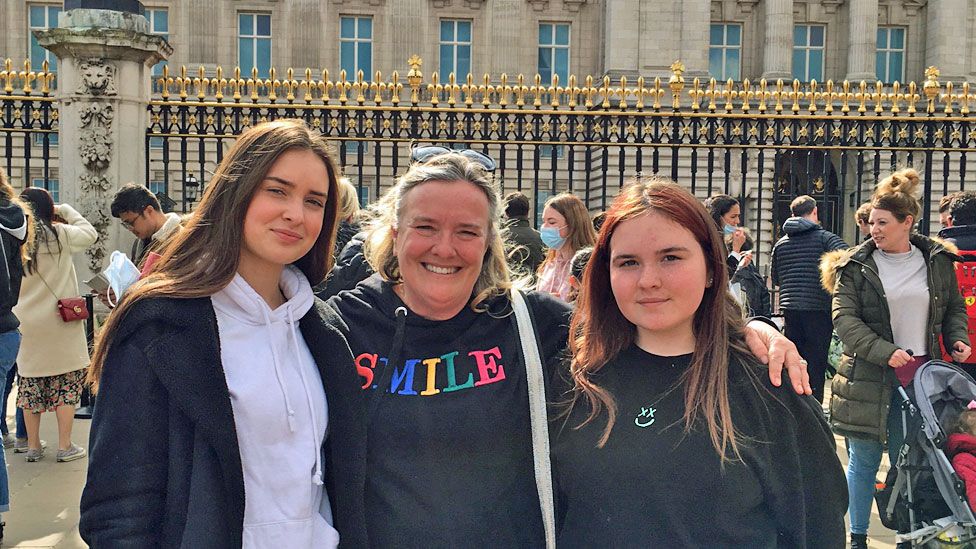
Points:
(539, 5)
(746, 6)
(573, 5)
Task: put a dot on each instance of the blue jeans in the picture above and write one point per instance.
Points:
(9, 345)
(864, 460)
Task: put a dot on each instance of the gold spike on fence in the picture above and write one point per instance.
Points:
(308, 87)
(788, 97)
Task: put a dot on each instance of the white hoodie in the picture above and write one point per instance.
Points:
(280, 413)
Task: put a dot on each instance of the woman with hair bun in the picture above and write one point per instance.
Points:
(893, 297)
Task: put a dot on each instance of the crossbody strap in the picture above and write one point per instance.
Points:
(537, 413)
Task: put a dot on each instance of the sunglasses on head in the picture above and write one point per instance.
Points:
(420, 155)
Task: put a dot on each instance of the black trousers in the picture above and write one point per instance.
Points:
(811, 331)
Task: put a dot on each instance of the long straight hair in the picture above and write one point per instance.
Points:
(599, 331)
(581, 234)
(41, 204)
(203, 257)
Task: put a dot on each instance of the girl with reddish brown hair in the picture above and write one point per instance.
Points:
(672, 435)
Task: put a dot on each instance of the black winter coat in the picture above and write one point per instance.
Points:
(165, 467)
(796, 264)
(963, 236)
(12, 272)
(350, 269)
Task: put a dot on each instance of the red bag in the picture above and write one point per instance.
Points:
(72, 309)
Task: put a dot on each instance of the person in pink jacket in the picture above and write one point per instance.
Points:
(962, 450)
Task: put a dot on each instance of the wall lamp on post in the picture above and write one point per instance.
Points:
(191, 187)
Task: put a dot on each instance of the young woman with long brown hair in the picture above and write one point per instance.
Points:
(211, 418)
(566, 229)
(672, 436)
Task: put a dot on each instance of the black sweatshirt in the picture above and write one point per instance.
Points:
(449, 456)
(653, 485)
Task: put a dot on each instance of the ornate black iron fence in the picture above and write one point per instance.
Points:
(29, 125)
(764, 143)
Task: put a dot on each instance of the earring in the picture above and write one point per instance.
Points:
(709, 283)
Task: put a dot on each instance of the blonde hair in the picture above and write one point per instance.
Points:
(203, 258)
(348, 200)
(386, 214)
(898, 193)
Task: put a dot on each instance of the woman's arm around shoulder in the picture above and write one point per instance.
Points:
(78, 233)
(124, 497)
(803, 478)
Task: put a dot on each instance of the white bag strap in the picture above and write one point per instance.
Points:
(537, 412)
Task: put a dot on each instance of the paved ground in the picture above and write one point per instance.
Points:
(44, 496)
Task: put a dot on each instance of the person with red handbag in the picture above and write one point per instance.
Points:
(54, 350)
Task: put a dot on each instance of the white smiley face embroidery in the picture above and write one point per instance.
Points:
(645, 418)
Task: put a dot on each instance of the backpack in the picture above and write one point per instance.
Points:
(966, 278)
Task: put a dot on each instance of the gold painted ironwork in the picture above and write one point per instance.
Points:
(305, 88)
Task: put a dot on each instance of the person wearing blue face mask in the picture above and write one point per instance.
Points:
(726, 213)
(566, 228)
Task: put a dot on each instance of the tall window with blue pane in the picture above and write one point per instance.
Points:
(554, 52)
(455, 49)
(356, 46)
(890, 64)
(808, 52)
(254, 43)
(52, 186)
(725, 51)
(158, 25)
(42, 17)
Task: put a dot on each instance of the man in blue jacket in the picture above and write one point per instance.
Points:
(803, 301)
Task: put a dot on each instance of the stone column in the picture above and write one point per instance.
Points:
(695, 17)
(862, 41)
(105, 59)
(621, 24)
(778, 43)
(947, 24)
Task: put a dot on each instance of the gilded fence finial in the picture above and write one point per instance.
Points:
(639, 92)
(746, 95)
(46, 77)
(588, 92)
(964, 99)
(763, 95)
(947, 98)
(27, 76)
(486, 91)
(200, 84)
(895, 96)
(676, 83)
(219, 83)
(290, 85)
(415, 77)
(729, 95)
(183, 81)
(395, 88)
(912, 97)
(7, 75)
(931, 87)
(711, 93)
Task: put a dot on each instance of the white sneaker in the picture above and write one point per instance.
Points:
(72, 453)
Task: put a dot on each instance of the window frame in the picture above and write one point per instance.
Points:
(553, 47)
(455, 44)
(807, 48)
(888, 50)
(49, 56)
(254, 38)
(725, 47)
(355, 42)
(52, 185)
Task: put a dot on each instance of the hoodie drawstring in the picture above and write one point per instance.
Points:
(393, 357)
(292, 327)
(290, 412)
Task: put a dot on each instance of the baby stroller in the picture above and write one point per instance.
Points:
(923, 498)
